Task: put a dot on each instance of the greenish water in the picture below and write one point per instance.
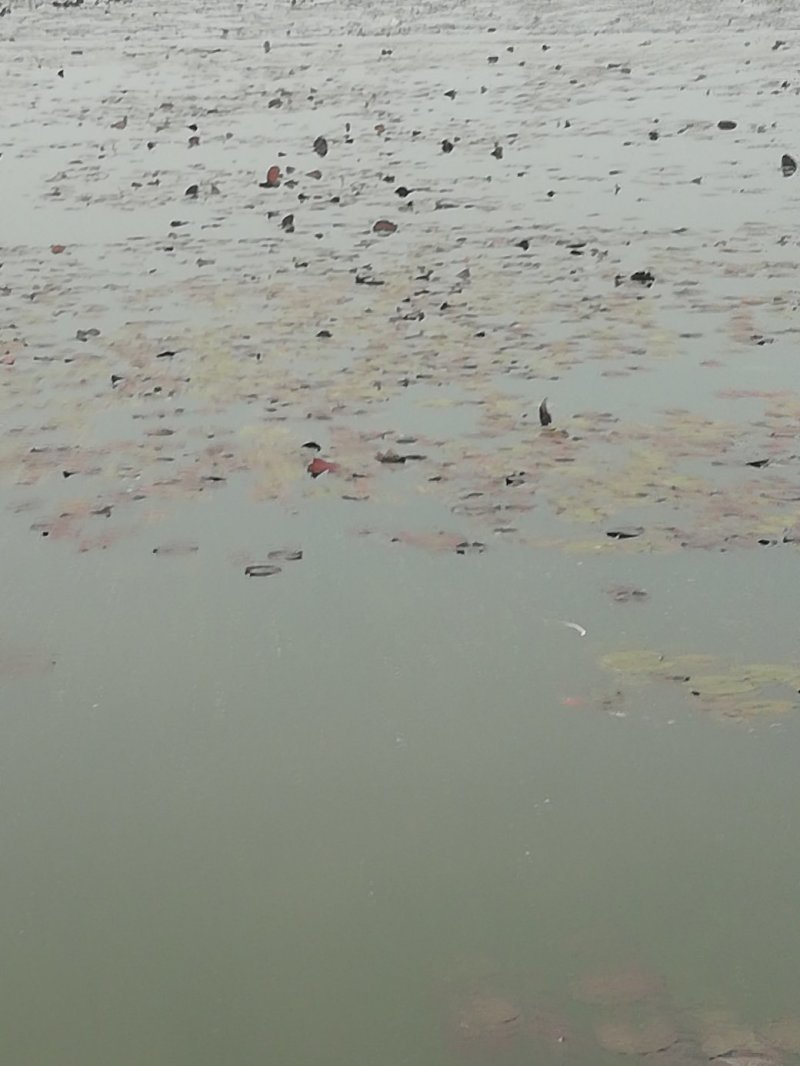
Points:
(385, 805)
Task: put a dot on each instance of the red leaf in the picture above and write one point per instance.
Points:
(273, 177)
(319, 466)
(57, 249)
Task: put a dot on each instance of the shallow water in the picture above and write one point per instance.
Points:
(389, 804)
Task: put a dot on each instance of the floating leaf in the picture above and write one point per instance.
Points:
(636, 1037)
(618, 987)
(627, 594)
(641, 663)
(785, 1034)
(289, 555)
(176, 548)
(721, 1033)
(714, 686)
(625, 532)
(757, 709)
(319, 466)
(772, 674)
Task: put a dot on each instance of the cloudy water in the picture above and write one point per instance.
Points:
(400, 505)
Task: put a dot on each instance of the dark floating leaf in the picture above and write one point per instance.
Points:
(726, 124)
(402, 191)
(447, 146)
(261, 570)
(625, 532)
(758, 463)
(321, 146)
(466, 547)
(644, 277)
(287, 223)
(788, 165)
(192, 192)
(497, 151)
(545, 418)
(312, 444)
(324, 333)
(164, 355)
(289, 555)
(68, 473)
(390, 457)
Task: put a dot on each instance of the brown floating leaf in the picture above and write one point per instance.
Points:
(289, 555)
(22, 662)
(487, 1020)
(636, 1038)
(383, 225)
(785, 1034)
(618, 988)
(57, 249)
(438, 541)
(724, 1038)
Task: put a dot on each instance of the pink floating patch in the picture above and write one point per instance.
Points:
(319, 466)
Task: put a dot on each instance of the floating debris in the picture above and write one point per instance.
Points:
(261, 570)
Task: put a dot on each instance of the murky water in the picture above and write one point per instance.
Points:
(501, 768)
